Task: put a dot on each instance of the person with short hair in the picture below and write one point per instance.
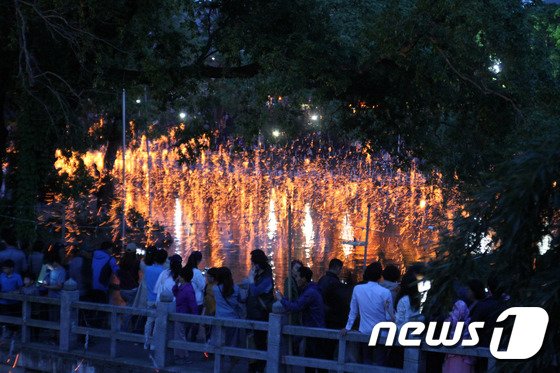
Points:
(57, 275)
(12, 252)
(151, 275)
(102, 259)
(391, 277)
(373, 303)
(76, 271)
(10, 282)
(336, 304)
(129, 267)
(185, 302)
(35, 259)
(328, 285)
(486, 307)
(310, 304)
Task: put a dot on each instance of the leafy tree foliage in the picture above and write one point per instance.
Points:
(468, 87)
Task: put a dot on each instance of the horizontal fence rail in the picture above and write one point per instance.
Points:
(71, 327)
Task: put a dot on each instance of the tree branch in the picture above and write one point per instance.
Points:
(204, 71)
(482, 87)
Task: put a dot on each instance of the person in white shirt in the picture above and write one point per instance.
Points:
(198, 283)
(374, 304)
(166, 279)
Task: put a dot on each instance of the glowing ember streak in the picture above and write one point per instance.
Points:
(178, 224)
(308, 232)
(347, 234)
(233, 202)
(78, 366)
(272, 222)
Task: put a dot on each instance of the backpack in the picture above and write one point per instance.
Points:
(105, 274)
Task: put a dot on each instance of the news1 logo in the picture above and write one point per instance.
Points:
(525, 340)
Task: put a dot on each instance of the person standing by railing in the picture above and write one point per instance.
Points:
(459, 363)
(291, 289)
(209, 298)
(151, 275)
(198, 281)
(310, 304)
(259, 301)
(104, 266)
(76, 271)
(198, 284)
(55, 278)
(185, 302)
(9, 282)
(374, 304)
(229, 298)
(12, 252)
(35, 259)
(336, 306)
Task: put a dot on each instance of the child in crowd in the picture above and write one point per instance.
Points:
(57, 275)
(9, 282)
(29, 285)
(185, 299)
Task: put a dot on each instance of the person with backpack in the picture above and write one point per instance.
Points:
(103, 266)
(259, 300)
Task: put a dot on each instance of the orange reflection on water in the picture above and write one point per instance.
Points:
(226, 204)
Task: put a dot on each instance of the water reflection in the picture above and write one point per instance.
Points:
(226, 204)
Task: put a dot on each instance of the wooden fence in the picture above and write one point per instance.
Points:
(277, 356)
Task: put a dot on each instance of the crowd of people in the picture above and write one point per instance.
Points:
(107, 275)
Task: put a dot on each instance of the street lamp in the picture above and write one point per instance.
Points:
(276, 133)
(314, 117)
(138, 101)
(182, 115)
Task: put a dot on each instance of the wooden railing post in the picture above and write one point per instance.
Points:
(25, 317)
(68, 315)
(162, 327)
(414, 360)
(276, 347)
(491, 365)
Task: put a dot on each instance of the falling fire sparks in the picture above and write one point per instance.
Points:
(226, 204)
